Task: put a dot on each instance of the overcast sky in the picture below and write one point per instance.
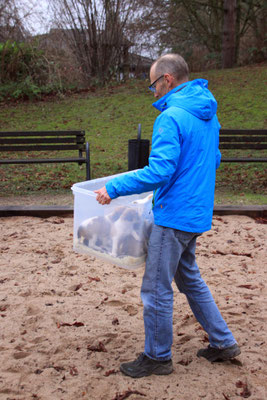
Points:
(39, 20)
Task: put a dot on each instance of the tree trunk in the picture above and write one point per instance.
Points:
(229, 35)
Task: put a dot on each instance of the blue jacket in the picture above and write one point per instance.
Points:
(183, 160)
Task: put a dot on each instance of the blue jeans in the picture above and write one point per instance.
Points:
(171, 255)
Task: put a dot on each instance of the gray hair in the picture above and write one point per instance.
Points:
(173, 64)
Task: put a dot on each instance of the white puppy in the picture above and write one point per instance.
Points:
(96, 232)
(124, 232)
(144, 200)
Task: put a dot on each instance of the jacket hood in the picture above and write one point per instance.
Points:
(192, 96)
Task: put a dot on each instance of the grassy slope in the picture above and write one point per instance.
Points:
(110, 117)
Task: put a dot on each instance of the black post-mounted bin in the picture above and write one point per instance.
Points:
(138, 152)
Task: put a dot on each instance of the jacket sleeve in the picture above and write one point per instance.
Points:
(218, 153)
(163, 161)
(218, 158)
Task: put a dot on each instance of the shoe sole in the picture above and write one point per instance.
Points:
(223, 357)
(230, 356)
(161, 371)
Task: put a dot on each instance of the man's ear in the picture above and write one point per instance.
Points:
(169, 79)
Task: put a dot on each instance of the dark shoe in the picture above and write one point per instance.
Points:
(213, 354)
(145, 366)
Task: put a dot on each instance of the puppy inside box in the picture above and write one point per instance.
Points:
(121, 235)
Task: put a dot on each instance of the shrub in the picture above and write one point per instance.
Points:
(25, 71)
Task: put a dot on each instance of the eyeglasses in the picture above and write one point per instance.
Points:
(152, 87)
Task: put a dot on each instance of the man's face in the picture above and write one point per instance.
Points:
(160, 86)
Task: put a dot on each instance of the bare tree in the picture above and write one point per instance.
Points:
(96, 32)
(17, 19)
(256, 17)
(187, 25)
(11, 25)
(229, 34)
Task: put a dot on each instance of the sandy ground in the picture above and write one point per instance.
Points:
(69, 320)
(65, 199)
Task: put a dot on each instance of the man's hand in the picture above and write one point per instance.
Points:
(102, 196)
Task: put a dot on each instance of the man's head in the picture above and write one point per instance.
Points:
(168, 71)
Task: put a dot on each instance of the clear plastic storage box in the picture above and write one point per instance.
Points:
(117, 232)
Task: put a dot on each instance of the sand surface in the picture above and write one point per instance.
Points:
(69, 320)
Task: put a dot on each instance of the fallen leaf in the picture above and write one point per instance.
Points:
(13, 234)
(41, 252)
(74, 371)
(38, 371)
(100, 347)
(20, 355)
(110, 372)
(56, 261)
(77, 324)
(187, 316)
(248, 287)
(242, 254)
(245, 390)
(91, 279)
(58, 369)
(205, 339)
(77, 287)
(126, 394)
(218, 252)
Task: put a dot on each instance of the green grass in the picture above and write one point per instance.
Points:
(110, 117)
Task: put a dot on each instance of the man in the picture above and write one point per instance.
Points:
(181, 171)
